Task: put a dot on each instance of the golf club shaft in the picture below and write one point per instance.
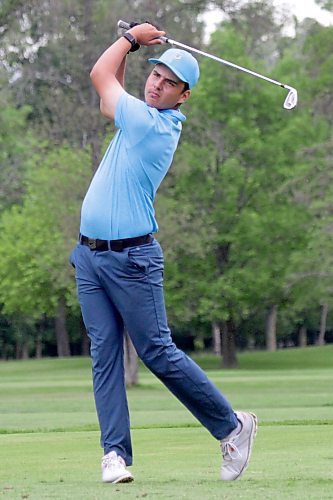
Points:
(124, 25)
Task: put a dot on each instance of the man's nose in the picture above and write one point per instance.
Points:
(159, 83)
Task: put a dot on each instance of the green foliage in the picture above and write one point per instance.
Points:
(251, 193)
(310, 274)
(319, 69)
(245, 213)
(242, 224)
(16, 143)
(38, 236)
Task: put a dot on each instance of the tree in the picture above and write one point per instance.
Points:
(16, 143)
(55, 47)
(36, 276)
(242, 226)
(308, 284)
(245, 213)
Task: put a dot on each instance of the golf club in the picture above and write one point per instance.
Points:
(291, 99)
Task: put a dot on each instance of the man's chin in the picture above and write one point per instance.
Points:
(152, 102)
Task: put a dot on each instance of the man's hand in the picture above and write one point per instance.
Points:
(108, 73)
(147, 34)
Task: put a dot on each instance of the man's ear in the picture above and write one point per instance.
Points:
(185, 95)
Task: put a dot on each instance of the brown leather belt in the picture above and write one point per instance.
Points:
(114, 245)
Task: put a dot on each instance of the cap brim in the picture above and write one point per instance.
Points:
(177, 73)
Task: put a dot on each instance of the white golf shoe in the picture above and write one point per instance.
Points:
(114, 469)
(236, 448)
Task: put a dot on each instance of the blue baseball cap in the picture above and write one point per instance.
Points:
(181, 63)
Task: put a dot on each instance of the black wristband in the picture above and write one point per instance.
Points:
(134, 44)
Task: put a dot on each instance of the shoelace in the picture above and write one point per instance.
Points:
(230, 450)
(114, 460)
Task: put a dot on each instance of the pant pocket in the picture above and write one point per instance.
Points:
(138, 262)
(71, 258)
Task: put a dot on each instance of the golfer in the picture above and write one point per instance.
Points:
(119, 264)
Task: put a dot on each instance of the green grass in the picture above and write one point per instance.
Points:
(290, 359)
(49, 439)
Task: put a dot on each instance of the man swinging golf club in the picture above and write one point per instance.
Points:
(119, 263)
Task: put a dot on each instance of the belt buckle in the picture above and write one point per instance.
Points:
(92, 244)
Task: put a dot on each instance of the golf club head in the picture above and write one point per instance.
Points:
(291, 99)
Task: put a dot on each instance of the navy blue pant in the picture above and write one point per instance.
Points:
(124, 289)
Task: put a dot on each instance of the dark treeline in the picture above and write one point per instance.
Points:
(245, 213)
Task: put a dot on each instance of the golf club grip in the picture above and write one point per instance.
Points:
(123, 25)
(126, 26)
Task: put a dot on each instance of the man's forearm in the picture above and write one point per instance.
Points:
(120, 75)
(110, 66)
(108, 74)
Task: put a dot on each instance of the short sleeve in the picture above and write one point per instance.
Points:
(134, 118)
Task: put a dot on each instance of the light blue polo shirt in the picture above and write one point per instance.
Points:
(119, 201)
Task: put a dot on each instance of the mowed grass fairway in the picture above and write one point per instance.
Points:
(49, 438)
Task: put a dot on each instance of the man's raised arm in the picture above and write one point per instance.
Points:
(107, 74)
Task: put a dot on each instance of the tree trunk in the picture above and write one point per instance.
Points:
(131, 362)
(302, 337)
(216, 333)
(63, 348)
(21, 349)
(323, 321)
(85, 340)
(229, 345)
(38, 346)
(85, 344)
(270, 333)
(40, 334)
(251, 343)
(24, 350)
